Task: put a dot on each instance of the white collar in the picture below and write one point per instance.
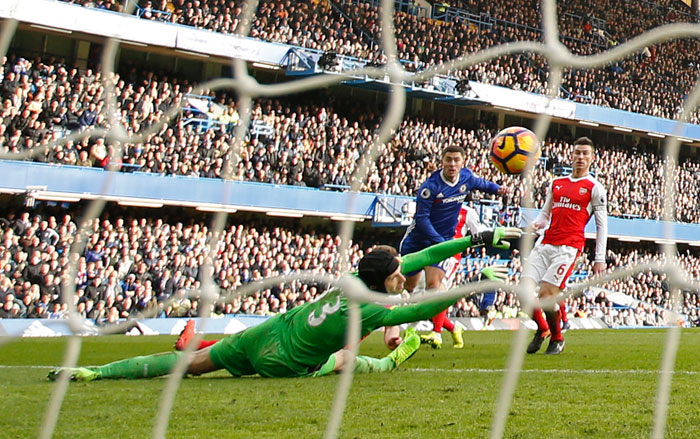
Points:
(570, 176)
(449, 183)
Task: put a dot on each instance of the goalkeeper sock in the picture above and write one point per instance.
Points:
(368, 364)
(139, 367)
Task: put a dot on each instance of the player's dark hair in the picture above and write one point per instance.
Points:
(453, 148)
(388, 248)
(375, 267)
(584, 141)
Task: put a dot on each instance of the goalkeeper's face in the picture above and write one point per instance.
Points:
(394, 282)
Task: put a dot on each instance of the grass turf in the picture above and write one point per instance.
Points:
(603, 386)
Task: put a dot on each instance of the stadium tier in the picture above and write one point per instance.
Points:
(185, 167)
(136, 263)
(653, 82)
(299, 142)
(315, 140)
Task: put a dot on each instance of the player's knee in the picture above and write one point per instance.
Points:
(548, 290)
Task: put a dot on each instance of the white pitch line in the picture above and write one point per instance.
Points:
(478, 370)
(558, 371)
(7, 366)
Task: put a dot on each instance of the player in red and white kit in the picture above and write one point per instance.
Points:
(571, 201)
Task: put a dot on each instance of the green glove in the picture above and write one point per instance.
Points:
(499, 273)
(497, 237)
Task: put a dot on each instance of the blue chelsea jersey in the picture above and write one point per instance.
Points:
(437, 208)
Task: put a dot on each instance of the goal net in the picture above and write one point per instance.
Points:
(550, 49)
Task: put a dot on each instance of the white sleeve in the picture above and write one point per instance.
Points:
(600, 210)
(546, 213)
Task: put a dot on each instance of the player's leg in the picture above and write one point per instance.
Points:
(411, 281)
(563, 259)
(201, 362)
(538, 316)
(556, 343)
(534, 270)
(392, 337)
(487, 308)
(449, 269)
(433, 281)
(364, 364)
(456, 331)
(147, 366)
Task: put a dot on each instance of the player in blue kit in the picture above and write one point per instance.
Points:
(438, 205)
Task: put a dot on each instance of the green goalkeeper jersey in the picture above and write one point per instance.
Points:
(297, 342)
(318, 329)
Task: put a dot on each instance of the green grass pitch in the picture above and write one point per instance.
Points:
(603, 386)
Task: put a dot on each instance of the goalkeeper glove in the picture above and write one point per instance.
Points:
(497, 237)
(499, 273)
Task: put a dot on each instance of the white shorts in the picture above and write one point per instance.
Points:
(551, 263)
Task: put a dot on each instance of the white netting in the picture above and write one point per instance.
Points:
(247, 88)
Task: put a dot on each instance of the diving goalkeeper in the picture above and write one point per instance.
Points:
(309, 339)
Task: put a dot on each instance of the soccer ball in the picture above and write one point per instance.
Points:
(512, 148)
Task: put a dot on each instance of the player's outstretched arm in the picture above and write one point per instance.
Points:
(426, 310)
(435, 253)
(417, 311)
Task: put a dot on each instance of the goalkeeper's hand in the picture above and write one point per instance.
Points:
(497, 237)
(498, 273)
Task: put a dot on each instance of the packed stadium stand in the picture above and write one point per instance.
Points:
(136, 261)
(653, 82)
(299, 142)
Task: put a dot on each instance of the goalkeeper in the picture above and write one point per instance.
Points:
(309, 339)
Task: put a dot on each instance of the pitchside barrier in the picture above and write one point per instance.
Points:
(231, 325)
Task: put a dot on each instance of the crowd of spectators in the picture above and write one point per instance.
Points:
(310, 142)
(134, 265)
(654, 81)
(137, 264)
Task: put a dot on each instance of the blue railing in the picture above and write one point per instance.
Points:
(150, 13)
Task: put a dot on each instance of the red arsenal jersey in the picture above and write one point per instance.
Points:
(573, 201)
